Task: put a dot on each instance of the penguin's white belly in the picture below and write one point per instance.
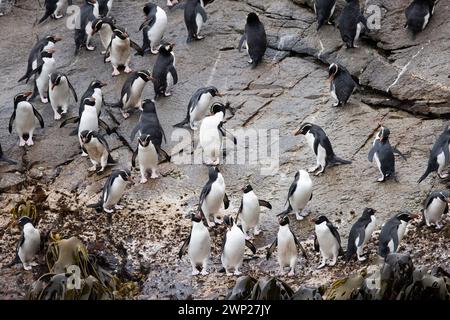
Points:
(441, 161)
(201, 108)
(31, 244)
(199, 22)
(329, 246)
(214, 198)
(156, 32)
(401, 231)
(333, 91)
(96, 11)
(148, 157)
(42, 79)
(377, 161)
(425, 21)
(287, 250)
(332, 11)
(105, 35)
(98, 100)
(135, 94)
(169, 81)
(88, 29)
(250, 211)
(59, 96)
(199, 244)
(24, 118)
(310, 140)
(233, 251)
(301, 196)
(434, 211)
(210, 138)
(368, 232)
(115, 192)
(88, 121)
(120, 52)
(321, 156)
(95, 150)
(359, 27)
(59, 7)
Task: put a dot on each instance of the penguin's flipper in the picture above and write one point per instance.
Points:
(105, 126)
(107, 51)
(136, 47)
(334, 232)
(271, 249)
(184, 247)
(371, 154)
(264, 203)
(163, 154)
(299, 245)
(394, 237)
(174, 74)
(241, 206)
(226, 202)
(395, 150)
(310, 197)
(361, 235)
(102, 140)
(38, 116)
(70, 120)
(202, 12)
(241, 42)
(225, 133)
(147, 22)
(7, 160)
(427, 172)
(250, 245)
(72, 89)
(37, 70)
(316, 244)
(50, 8)
(292, 189)
(182, 123)
(133, 158)
(11, 121)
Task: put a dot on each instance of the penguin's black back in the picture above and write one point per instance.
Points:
(323, 11)
(160, 70)
(416, 12)
(348, 21)
(256, 39)
(321, 138)
(386, 156)
(149, 125)
(344, 85)
(388, 232)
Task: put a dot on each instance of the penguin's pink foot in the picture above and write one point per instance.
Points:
(21, 142)
(90, 48)
(154, 175)
(93, 168)
(125, 115)
(154, 51)
(128, 69)
(117, 207)
(44, 100)
(57, 116)
(30, 142)
(115, 72)
(143, 180)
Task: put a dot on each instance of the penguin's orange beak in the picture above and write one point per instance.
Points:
(27, 94)
(103, 84)
(57, 38)
(92, 99)
(53, 85)
(51, 50)
(296, 132)
(219, 94)
(448, 200)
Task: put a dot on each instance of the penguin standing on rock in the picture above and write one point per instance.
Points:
(342, 84)
(321, 146)
(300, 193)
(41, 45)
(119, 51)
(55, 9)
(288, 245)
(351, 22)
(324, 10)
(97, 148)
(211, 133)
(212, 196)
(383, 153)
(392, 233)
(3, 158)
(198, 106)
(327, 241)
(59, 89)
(418, 15)
(45, 67)
(233, 247)
(29, 243)
(113, 191)
(249, 211)
(435, 206)
(254, 39)
(194, 18)
(164, 73)
(89, 11)
(105, 27)
(439, 156)
(153, 27)
(131, 95)
(360, 234)
(198, 245)
(23, 117)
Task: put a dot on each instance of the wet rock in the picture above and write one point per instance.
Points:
(271, 289)
(426, 287)
(396, 274)
(242, 289)
(307, 293)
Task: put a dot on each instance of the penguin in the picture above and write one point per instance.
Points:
(153, 27)
(94, 90)
(105, 27)
(435, 206)
(439, 156)
(383, 153)
(198, 244)
(321, 145)
(300, 193)
(29, 243)
(194, 18)
(89, 11)
(233, 247)
(164, 73)
(254, 39)
(59, 88)
(41, 45)
(97, 148)
(324, 10)
(198, 106)
(211, 133)
(360, 234)
(3, 158)
(149, 123)
(23, 117)
(212, 196)
(328, 241)
(418, 15)
(113, 191)
(131, 94)
(392, 233)
(288, 245)
(249, 211)
(55, 9)
(45, 67)
(104, 7)
(342, 84)
(119, 51)
(351, 22)
(88, 120)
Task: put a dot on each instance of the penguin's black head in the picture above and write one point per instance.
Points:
(148, 106)
(228, 220)
(368, 212)
(297, 175)
(214, 91)
(166, 49)
(121, 33)
(24, 220)
(332, 70)
(197, 217)
(148, 7)
(86, 136)
(145, 75)
(144, 140)
(98, 23)
(55, 79)
(252, 18)
(405, 216)
(283, 220)
(96, 84)
(304, 128)
(125, 174)
(47, 53)
(53, 39)
(218, 107)
(247, 188)
(89, 101)
(444, 195)
(384, 133)
(321, 219)
(213, 173)
(21, 97)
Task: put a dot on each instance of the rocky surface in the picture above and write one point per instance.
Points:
(141, 242)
